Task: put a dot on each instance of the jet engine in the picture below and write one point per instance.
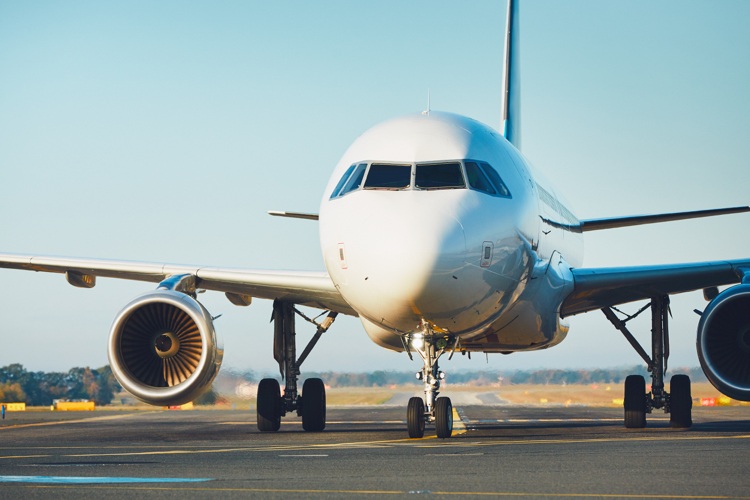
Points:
(163, 348)
(724, 342)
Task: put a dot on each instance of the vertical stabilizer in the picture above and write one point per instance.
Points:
(512, 79)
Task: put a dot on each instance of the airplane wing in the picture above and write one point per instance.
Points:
(638, 220)
(604, 287)
(314, 289)
(293, 215)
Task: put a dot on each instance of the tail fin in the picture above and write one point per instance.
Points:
(512, 79)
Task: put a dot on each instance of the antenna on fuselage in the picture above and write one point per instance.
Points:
(426, 112)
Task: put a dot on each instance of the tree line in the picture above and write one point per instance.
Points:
(537, 377)
(40, 388)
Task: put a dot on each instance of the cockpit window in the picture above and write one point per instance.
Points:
(477, 179)
(496, 180)
(483, 177)
(479, 176)
(344, 178)
(384, 176)
(355, 179)
(439, 176)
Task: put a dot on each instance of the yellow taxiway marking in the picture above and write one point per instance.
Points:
(335, 422)
(625, 439)
(175, 488)
(63, 422)
(305, 455)
(427, 442)
(264, 448)
(458, 424)
(558, 420)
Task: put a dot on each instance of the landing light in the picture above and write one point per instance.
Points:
(417, 341)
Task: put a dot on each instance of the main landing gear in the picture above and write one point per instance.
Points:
(311, 404)
(678, 402)
(430, 346)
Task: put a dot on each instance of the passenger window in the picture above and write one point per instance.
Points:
(494, 177)
(477, 179)
(343, 180)
(439, 176)
(355, 180)
(388, 176)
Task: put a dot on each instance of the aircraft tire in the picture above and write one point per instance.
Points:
(635, 402)
(269, 405)
(313, 405)
(443, 418)
(415, 417)
(680, 402)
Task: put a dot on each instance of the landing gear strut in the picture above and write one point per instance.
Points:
(678, 403)
(430, 346)
(311, 404)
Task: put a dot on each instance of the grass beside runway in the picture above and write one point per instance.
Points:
(596, 395)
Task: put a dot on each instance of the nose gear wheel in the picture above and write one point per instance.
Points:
(430, 346)
(415, 417)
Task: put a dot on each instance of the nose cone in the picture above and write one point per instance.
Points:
(401, 263)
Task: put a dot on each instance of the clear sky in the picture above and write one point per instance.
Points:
(164, 131)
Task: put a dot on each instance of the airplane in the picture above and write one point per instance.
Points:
(441, 238)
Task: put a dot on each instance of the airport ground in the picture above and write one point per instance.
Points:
(499, 449)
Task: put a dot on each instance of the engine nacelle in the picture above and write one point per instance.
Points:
(163, 348)
(724, 342)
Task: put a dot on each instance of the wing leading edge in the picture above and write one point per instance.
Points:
(640, 220)
(637, 220)
(305, 288)
(604, 287)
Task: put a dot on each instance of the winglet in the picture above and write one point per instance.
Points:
(512, 78)
(293, 215)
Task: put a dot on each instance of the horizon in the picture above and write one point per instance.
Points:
(164, 132)
(463, 370)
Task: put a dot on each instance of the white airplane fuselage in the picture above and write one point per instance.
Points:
(488, 269)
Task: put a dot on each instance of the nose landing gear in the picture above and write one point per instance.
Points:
(430, 346)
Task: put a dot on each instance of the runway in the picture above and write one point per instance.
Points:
(501, 451)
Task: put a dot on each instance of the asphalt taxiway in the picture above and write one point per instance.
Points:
(502, 451)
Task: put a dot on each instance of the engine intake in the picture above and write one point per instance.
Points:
(163, 348)
(724, 342)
